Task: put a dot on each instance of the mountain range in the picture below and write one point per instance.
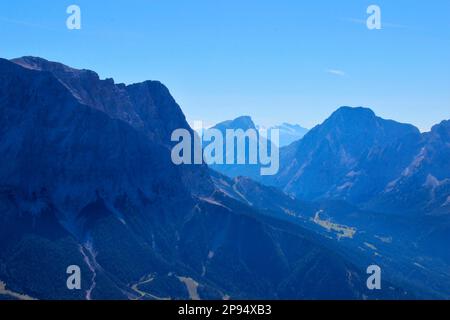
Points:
(371, 162)
(383, 182)
(86, 179)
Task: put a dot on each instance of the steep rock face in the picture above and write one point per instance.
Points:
(424, 184)
(52, 141)
(61, 160)
(147, 107)
(88, 89)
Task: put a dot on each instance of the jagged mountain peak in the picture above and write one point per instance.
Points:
(147, 106)
(441, 131)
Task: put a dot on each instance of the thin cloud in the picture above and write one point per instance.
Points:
(336, 72)
(383, 24)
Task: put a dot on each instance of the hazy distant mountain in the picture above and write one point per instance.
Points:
(148, 106)
(243, 122)
(86, 179)
(234, 170)
(289, 133)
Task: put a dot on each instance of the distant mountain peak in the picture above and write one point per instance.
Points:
(243, 122)
(359, 109)
(352, 113)
(290, 125)
(289, 133)
(351, 122)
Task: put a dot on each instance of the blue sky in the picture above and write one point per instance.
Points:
(294, 61)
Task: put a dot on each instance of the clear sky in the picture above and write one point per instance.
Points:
(278, 61)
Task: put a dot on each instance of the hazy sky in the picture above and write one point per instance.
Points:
(293, 61)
